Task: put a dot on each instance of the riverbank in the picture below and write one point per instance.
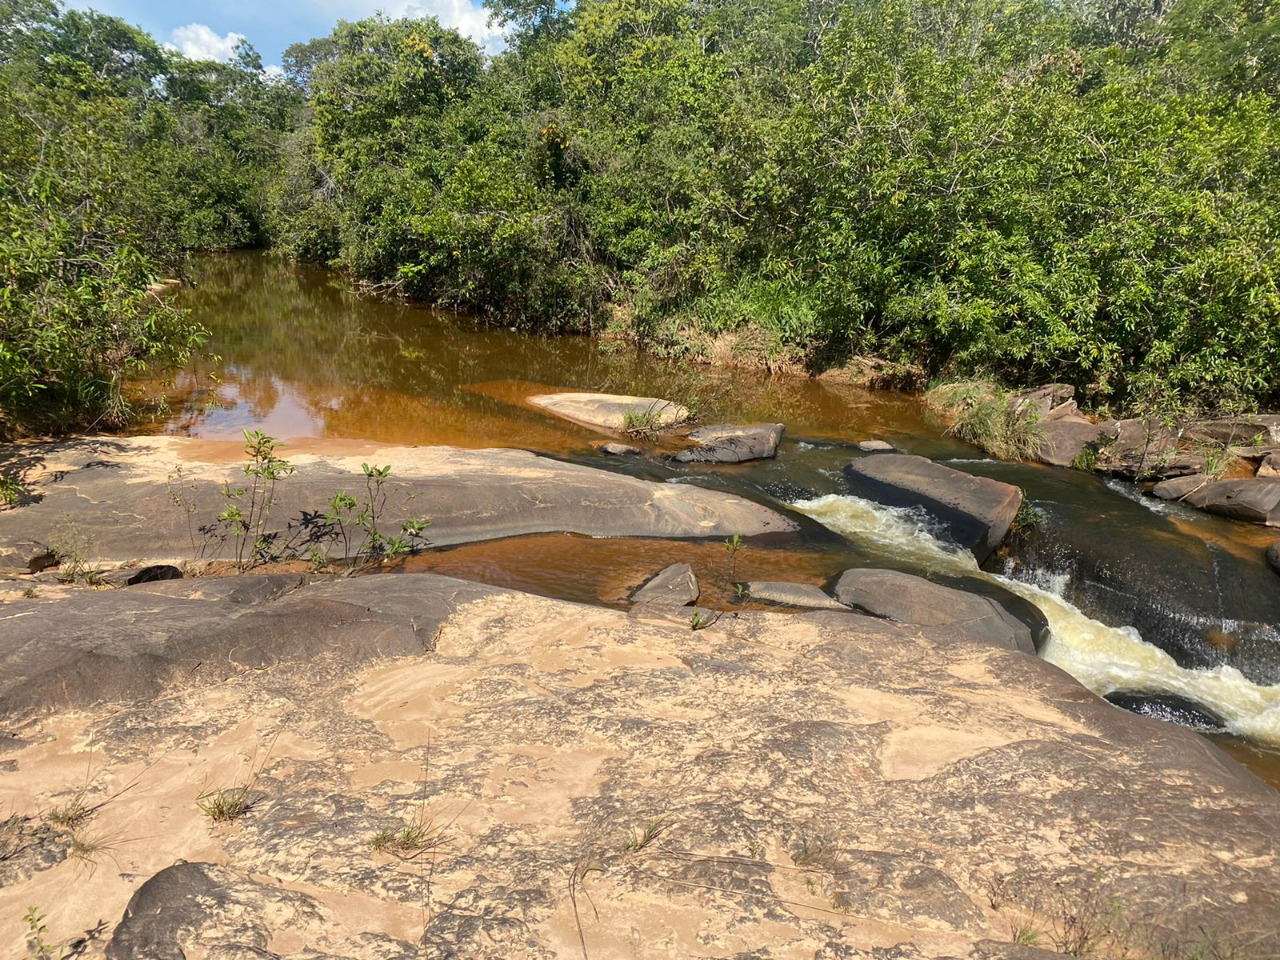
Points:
(511, 776)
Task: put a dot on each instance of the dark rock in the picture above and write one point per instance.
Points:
(1242, 430)
(1065, 438)
(1179, 487)
(676, 586)
(128, 577)
(911, 599)
(1146, 450)
(995, 950)
(1273, 556)
(618, 449)
(1170, 708)
(876, 446)
(792, 595)
(1270, 467)
(1252, 500)
(977, 511)
(725, 443)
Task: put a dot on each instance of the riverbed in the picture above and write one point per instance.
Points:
(303, 356)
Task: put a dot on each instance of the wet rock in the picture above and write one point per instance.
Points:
(128, 577)
(1270, 467)
(1252, 500)
(911, 599)
(1146, 450)
(618, 449)
(1170, 708)
(1273, 556)
(976, 511)
(676, 586)
(876, 446)
(792, 595)
(116, 498)
(613, 412)
(726, 443)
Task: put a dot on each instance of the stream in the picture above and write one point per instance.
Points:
(1140, 595)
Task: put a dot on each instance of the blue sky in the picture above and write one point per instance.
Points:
(204, 28)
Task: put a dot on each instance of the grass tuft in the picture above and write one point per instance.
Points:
(987, 417)
(642, 838)
(226, 805)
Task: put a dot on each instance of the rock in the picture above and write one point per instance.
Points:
(612, 412)
(1170, 708)
(792, 595)
(911, 599)
(1039, 402)
(1065, 438)
(1243, 430)
(115, 495)
(1273, 556)
(1179, 487)
(823, 785)
(876, 446)
(1146, 450)
(976, 511)
(676, 586)
(131, 576)
(1252, 500)
(1270, 467)
(618, 449)
(725, 443)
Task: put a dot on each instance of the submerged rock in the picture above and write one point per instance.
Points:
(1273, 556)
(910, 599)
(1170, 708)
(792, 595)
(618, 449)
(613, 412)
(676, 586)
(976, 511)
(726, 443)
(876, 446)
(810, 785)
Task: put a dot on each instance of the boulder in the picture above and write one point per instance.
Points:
(1179, 487)
(976, 511)
(1040, 402)
(726, 443)
(1146, 450)
(116, 496)
(792, 595)
(1171, 708)
(613, 412)
(1251, 500)
(1065, 438)
(910, 599)
(676, 586)
(876, 446)
(1273, 556)
(618, 449)
(1242, 430)
(1270, 467)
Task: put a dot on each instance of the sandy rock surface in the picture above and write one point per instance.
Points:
(543, 779)
(611, 411)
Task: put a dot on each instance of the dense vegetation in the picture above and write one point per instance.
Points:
(1085, 191)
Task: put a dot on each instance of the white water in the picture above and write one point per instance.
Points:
(1103, 658)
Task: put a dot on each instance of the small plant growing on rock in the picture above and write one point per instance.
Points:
(815, 850)
(345, 515)
(411, 840)
(641, 424)
(646, 835)
(225, 805)
(731, 548)
(11, 491)
(71, 547)
(246, 517)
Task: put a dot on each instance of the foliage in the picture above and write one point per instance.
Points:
(988, 417)
(248, 507)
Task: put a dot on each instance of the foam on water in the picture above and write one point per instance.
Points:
(1103, 658)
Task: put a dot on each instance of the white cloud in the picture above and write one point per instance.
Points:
(198, 42)
(273, 71)
(469, 19)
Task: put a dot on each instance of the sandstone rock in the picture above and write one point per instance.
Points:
(792, 595)
(618, 449)
(876, 446)
(1039, 402)
(910, 599)
(612, 412)
(1252, 500)
(824, 785)
(1065, 438)
(676, 586)
(976, 511)
(1242, 430)
(1146, 449)
(1179, 487)
(1170, 708)
(1270, 467)
(115, 494)
(726, 443)
(131, 576)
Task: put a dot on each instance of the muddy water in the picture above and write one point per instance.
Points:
(299, 354)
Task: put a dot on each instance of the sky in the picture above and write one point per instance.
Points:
(210, 29)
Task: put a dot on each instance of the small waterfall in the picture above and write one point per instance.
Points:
(1103, 658)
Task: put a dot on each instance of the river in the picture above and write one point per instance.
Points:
(299, 353)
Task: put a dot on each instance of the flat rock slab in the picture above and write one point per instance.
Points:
(976, 511)
(676, 586)
(792, 595)
(1065, 438)
(115, 498)
(1146, 450)
(1253, 500)
(727, 443)
(612, 412)
(911, 599)
(876, 446)
(818, 784)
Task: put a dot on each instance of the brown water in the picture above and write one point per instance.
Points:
(301, 355)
